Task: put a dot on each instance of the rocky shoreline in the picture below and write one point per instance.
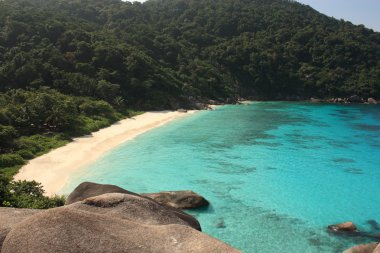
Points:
(107, 218)
(354, 99)
(350, 229)
(204, 104)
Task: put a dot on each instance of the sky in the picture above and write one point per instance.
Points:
(366, 12)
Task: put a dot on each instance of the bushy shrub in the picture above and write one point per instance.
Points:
(99, 108)
(26, 194)
(9, 160)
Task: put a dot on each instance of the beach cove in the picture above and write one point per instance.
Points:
(54, 169)
(276, 173)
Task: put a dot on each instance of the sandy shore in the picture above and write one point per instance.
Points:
(53, 169)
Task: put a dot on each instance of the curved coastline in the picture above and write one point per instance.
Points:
(53, 169)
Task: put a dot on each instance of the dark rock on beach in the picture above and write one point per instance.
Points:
(10, 217)
(113, 222)
(88, 189)
(355, 99)
(364, 248)
(179, 199)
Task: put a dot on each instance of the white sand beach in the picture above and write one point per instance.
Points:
(53, 169)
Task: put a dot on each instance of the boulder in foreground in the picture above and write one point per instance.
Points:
(364, 248)
(179, 199)
(10, 217)
(135, 208)
(110, 223)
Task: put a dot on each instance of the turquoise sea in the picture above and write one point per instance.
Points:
(276, 173)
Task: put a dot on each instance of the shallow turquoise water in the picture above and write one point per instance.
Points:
(276, 173)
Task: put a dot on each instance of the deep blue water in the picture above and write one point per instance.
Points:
(276, 173)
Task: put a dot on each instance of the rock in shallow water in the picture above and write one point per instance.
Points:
(343, 227)
(110, 223)
(179, 199)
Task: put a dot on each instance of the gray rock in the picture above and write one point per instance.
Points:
(78, 228)
(372, 101)
(9, 217)
(135, 208)
(179, 199)
(364, 248)
(88, 189)
(315, 100)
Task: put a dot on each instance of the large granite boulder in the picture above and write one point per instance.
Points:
(110, 223)
(135, 208)
(88, 189)
(179, 199)
(364, 248)
(343, 227)
(9, 217)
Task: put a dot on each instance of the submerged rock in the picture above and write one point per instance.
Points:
(374, 224)
(9, 217)
(89, 189)
(343, 227)
(113, 222)
(179, 199)
(364, 248)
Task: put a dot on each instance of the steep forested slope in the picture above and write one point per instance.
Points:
(72, 66)
(163, 50)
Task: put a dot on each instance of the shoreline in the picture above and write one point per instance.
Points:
(53, 170)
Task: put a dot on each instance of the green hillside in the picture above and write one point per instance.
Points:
(69, 67)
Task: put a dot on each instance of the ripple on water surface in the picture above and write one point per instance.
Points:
(276, 173)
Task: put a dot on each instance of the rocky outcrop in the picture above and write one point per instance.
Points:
(135, 208)
(364, 248)
(176, 199)
(113, 222)
(89, 189)
(343, 227)
(9, 217)
(347, 100)
(179, 199)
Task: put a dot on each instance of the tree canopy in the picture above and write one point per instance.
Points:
(69, 67)
(159, 53)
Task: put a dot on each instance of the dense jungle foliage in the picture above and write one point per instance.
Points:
(69, 67)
